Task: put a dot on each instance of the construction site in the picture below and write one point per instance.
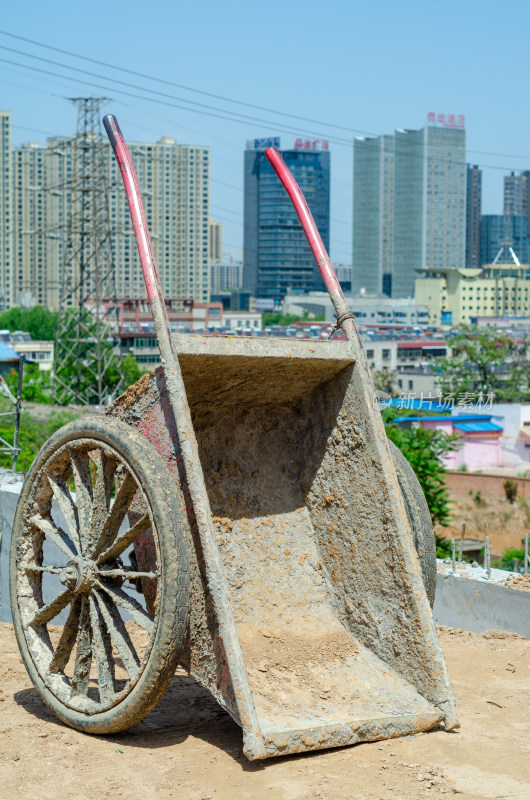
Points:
(225, 583)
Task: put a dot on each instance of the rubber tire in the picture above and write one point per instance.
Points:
(170, 520)
(419, 518)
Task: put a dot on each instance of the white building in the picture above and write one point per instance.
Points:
(369, 309)
(242, 320)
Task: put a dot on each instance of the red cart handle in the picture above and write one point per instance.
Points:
(136, 208)
(344, 315)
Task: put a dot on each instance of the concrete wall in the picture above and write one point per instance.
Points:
(10, 486)
(461, 483)
(479, 605)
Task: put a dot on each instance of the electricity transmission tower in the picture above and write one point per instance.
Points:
(86, 361)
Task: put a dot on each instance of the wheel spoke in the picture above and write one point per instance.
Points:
(116, 514)
(105, 470)
(68, 636)
(118, 633)
(57, 535)
(130, 605)
(51, 570)
(83, 656)
(128, 574)
(126, 539)
(65, 502)
(102, 653)
(49, 611)
(83, 492)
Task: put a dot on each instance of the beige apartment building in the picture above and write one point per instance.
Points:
(455, 296)
(174, 180)
(5, 207)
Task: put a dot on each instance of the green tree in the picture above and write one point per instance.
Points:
(386, 381)
(424, 449)
(33, 434)
(36, 384)
(485, 361)
(87, 364)
(39, 322)
(127, 367)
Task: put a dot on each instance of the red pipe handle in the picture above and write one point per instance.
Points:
(344, 315)
(136, 208)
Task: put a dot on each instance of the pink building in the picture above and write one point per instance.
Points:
(480, 442)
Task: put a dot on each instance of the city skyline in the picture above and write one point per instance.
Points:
(512, 188)
(457, 74)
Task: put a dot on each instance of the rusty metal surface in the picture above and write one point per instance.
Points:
(315, 553)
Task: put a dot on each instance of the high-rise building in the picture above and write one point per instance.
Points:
(5, 208)
(502, 232)
(174, 180)
(215, 232)
(517, 194)
(410, 201)
(277, 256)
(373, 213)
(473, 215)
(225, 276)
(429, 203)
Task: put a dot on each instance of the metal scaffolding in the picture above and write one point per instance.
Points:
(85, 348)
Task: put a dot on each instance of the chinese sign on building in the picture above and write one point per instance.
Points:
(447, 120)
(311, 144)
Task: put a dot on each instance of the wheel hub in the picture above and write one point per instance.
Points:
(79, 576)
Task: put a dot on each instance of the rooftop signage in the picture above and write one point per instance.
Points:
(262, 144)
(311, 144)
(457, 121)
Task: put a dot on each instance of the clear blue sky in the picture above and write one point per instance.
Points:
(370, 67)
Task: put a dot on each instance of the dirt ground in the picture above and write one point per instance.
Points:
(189, 749)
(507, 522)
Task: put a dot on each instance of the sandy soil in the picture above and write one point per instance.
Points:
(189, 749)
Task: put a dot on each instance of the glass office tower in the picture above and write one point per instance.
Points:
(277, 256)
(410, 202)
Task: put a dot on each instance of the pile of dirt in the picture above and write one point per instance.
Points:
(521, 582)
(188, 748)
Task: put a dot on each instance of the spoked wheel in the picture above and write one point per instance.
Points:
(98, 519)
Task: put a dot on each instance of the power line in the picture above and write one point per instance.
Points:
(205, 93)
(235, 115)
(182, 86)
(223, 115)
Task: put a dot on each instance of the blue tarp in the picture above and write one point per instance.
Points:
(478, 427)
(7, 353)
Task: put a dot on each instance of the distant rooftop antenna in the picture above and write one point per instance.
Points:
(507, 244)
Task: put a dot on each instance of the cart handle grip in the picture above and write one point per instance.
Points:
(344, 314)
